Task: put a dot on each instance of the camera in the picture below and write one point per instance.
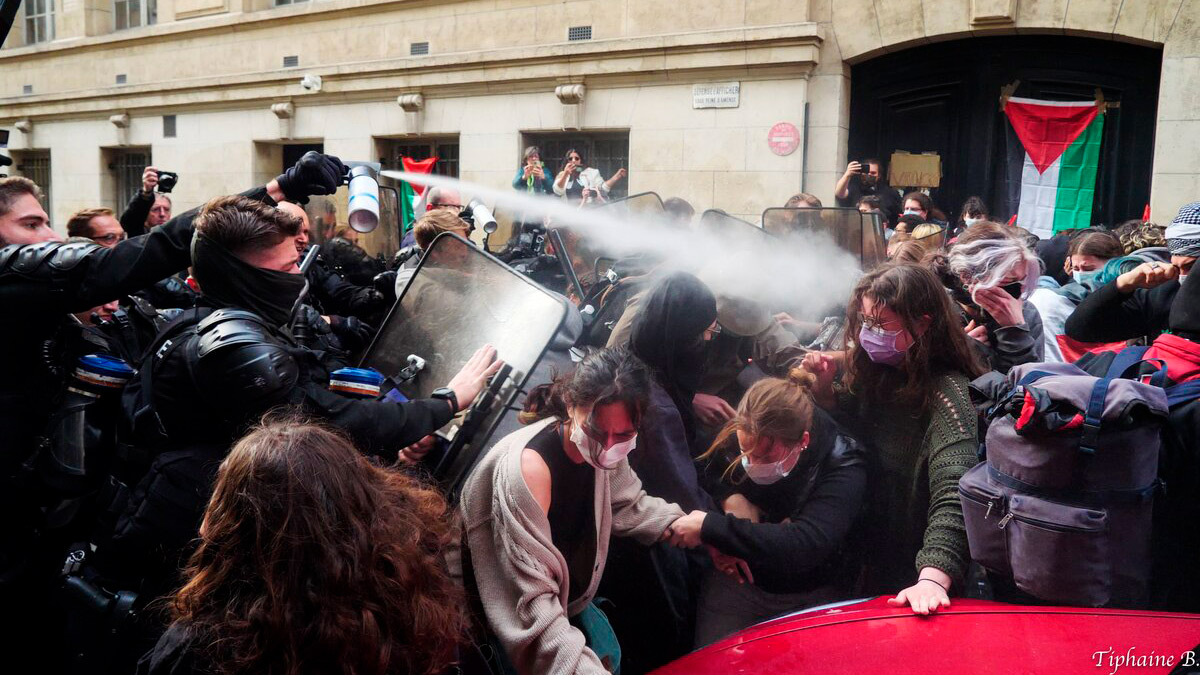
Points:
(477, 214)
(167, 180)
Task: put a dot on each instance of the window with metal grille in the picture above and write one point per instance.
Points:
(27, 89)
(126, 169)
(607, 151)
(281, 3)
(291, 61)
(35, 165)
(168, 126)
(134, 13)
(121, 79)
(576, 33)
(39, 21)
(418, 49)
(446, 150)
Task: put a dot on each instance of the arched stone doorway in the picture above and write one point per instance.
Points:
(944, 97)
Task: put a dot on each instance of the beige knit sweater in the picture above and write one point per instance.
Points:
(521, 576)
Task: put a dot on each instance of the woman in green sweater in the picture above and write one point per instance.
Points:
(900, 387)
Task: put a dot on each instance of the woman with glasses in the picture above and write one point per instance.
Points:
(578, 182)
(539, 509)
(790, 486)
(900, 387)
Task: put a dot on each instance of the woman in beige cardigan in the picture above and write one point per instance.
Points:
(537, 543)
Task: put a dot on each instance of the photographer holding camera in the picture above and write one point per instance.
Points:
(531, 176)
(149, 209)
(864, 179)
(578, 181)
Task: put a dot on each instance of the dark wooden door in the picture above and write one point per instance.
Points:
(945, 98)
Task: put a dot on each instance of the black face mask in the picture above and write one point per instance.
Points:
(1014, 289)
(229, 281)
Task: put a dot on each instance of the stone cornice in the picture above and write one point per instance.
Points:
(789, 50)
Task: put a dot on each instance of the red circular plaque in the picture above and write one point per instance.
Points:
(783, 138)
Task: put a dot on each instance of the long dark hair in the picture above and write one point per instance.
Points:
(312, 560)
(604, 376)
(912, 292)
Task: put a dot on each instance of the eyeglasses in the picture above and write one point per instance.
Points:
(443, 205)
(873, 323)
(109, 239)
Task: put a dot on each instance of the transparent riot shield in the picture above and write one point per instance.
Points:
(460, 299)
(642, 204)
(355, 255)
(734, 230)
(860, 234)
(932, 237)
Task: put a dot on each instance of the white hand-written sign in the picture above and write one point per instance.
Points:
(716, 95)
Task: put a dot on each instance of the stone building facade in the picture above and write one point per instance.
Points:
(212, 88)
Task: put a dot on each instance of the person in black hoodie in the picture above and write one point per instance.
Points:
(653, 621)
(1138, 303)
(677, 317)
(791, 486)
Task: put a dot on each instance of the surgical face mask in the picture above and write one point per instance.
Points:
(766, 474)
(911, 212)
(1081, 277)
(596, 454)
(971, 221)
(880, 345)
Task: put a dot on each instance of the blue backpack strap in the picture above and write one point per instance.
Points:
(1033, 376)
(1090, 436)
(1125, 359)
(1183, 393)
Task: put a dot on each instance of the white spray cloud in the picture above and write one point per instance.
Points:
(806, 274)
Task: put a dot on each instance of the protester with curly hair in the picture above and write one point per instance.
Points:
(313, 560)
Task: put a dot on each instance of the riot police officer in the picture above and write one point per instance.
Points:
(42, 281)
(218, 369)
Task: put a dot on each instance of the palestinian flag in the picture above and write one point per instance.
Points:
(410, 195)
(1053, 166)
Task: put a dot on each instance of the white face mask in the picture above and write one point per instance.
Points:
(971, 221)
(596, 454)
(766, 474)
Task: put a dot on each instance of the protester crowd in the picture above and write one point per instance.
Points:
(180, 428)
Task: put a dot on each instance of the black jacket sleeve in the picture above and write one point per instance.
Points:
(338, 296)
(781, 554)
(133, 220)
(1108, 315)
(1014, 345)
(380, 428)
(130, 266)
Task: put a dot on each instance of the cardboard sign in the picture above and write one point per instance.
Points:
(908, 170)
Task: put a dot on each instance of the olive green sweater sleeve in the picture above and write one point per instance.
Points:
(951, 445)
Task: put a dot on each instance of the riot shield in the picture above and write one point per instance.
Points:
(459, 299)
(739, 233)
(328, 217)
(860, 234)
(641, 204)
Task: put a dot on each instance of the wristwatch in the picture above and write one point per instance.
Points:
(446, 394)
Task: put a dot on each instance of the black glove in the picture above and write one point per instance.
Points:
(385, 286)
(354, 333)
(314, 174)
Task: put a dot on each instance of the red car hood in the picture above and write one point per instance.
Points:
(973, 636)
